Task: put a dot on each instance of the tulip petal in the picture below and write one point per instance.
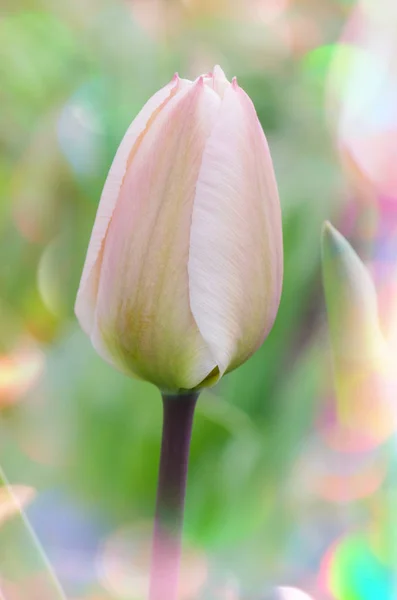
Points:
(218, 81)
(235, 261)
(87, 293)
(150, 330)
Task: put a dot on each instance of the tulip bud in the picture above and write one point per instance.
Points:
(352, 304)
(364, 380)
(183, 273)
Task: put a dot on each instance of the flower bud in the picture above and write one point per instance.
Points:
(365, 380)
(352, 304)
(183, 273)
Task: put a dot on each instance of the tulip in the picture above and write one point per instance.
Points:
(364, 372)
(183, 273)
(361, 95)
(352, 303)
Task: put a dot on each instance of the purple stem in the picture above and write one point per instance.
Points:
(178, 412)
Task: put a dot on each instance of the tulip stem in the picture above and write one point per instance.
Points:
(178, 413)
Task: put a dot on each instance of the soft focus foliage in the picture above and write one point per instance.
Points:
(276, 498)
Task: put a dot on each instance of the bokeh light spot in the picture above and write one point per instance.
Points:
(81, 130)
(290, 593)
(123, 566)
(13, 499)
(351, 571)
(19, 372)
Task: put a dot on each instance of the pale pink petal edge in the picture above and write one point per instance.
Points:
(216, 224)
(86, 295)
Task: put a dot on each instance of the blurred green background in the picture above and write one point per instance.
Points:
(268, 495)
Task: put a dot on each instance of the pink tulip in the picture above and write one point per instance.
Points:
(183, 273)
(362, 100)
